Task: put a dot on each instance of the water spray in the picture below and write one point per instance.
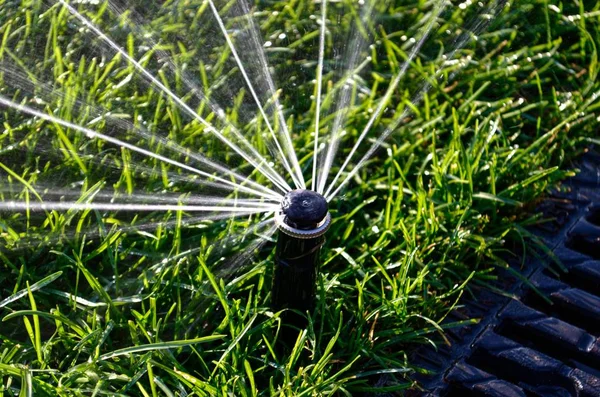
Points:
(302, 221)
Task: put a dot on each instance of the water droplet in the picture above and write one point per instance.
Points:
(554, 8)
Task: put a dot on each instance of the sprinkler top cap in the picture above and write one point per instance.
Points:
(304, 209)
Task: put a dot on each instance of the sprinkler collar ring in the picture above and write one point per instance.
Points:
(321, 228)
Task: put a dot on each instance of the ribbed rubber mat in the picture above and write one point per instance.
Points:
(543, 343)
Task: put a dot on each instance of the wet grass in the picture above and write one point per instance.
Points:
(103, 303)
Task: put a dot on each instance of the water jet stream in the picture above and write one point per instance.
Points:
(464, 38)
(94, 134)
(383, 102)
(295, 178)
(270, 173)
(55, 237)
(139, 198)
(196, 91)
(144, 170)
(257, 49)
(19, 81)
(217, 110)
(357, 45)
(219, 248)
(319, 87)
(236, 262)
(344, 83)
(67, 206)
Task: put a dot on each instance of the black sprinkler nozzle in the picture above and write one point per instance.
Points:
(302, 221)
(304, 209)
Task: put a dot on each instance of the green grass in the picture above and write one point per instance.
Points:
(148, 304)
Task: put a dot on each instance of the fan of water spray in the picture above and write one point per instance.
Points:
(135, 117)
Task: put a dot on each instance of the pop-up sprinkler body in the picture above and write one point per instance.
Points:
(302, 221)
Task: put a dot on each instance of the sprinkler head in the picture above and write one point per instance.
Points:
(303, 220)
(304, 214)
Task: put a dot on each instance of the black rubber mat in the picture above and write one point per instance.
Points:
(533, 343)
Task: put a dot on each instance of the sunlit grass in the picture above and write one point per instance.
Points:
(105, 303)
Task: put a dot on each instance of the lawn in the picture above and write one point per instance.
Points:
(148, 301)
